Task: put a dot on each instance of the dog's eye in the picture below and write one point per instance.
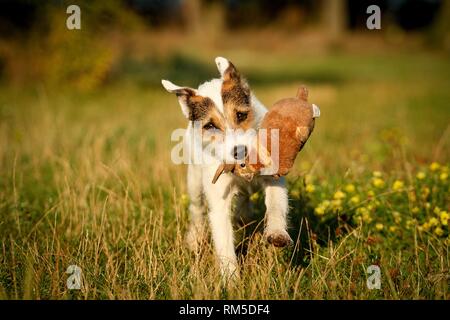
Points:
(209, 126)
(241, 116)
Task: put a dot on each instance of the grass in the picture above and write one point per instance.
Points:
(86, 179)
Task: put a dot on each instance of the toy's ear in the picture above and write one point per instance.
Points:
(184, 95)
(302, 93)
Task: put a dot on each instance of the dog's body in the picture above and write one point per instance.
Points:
(218, 106)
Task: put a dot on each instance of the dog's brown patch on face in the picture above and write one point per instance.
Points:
(202, 109)
(236, 99)
(213, 121)
(199, 107)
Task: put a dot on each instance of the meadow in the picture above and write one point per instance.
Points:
(86, 179)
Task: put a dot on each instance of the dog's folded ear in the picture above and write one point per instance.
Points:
(173, 88)
(184, 95)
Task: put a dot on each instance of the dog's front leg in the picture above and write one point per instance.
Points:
(197, 209)
(219, 198)
(277, 207)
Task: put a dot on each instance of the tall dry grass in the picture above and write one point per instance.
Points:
(86, 179)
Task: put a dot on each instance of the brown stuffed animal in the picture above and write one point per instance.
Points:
(294, 118)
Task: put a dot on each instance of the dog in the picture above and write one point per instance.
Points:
(216, 108)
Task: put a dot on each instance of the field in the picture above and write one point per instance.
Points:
(86, 179)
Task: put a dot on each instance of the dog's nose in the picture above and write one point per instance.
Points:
(239, 152)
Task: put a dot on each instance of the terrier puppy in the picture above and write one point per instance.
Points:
(222, 110)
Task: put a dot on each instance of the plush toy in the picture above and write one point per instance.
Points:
(294, 118)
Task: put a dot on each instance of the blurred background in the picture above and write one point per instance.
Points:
(377, 89)
(145, 39)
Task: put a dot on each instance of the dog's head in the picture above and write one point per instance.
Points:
(223, 110)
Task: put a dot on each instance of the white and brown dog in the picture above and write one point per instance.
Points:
(218, 107)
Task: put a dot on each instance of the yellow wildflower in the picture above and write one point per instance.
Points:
(421, 175)
(397, 217)
(434, 166)
(415, 210)
(433, 222)
(364, 213)
(376, 174)
(336, 204)
(393, 228)
(366, 217)
(378, 182)
(426, 226)
(444, 218)
(438, 231)
(362, 210)
(255, 196)
(350, 188)
(436, 210)
(398, 185)
(320, 210)
(443, 176)
(354, 199)
(379, 226)
(425, 192)
(370, 193)
(184, 199)
(310, 188)
(339, 195)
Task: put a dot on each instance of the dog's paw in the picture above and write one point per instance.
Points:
(229, 271)
(279, 238)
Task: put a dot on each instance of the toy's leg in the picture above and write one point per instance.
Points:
(276, 212)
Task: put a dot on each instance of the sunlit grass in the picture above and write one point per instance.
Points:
(86, 179)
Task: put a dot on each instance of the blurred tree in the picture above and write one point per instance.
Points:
(157, 13)
(192, 15)
(334, 18)
(414, 14)
(51, 54)
(439, 35)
